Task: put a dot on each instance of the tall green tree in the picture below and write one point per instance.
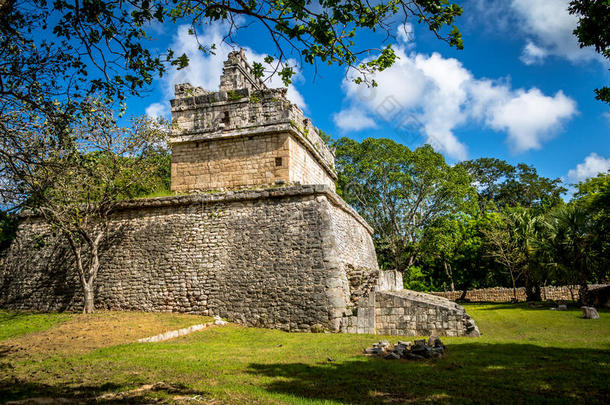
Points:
(593, 196)
(504, 185)
(453, 251)
(529, 228)
(472, 268)
(400, 192)
(503, 244)
(573, 239)
(440, 243)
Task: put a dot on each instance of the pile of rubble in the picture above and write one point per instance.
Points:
(417, 350)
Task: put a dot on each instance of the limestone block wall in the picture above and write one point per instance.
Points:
(417, 314)
(232, 162)
(217, 122)
(196, 111)
(501, 294)
(267, 258)
(237, 73)
(304, 168)
(390, 280)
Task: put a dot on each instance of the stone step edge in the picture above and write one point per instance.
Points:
(175, 333)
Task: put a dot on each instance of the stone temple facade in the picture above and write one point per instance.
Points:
(260, 236)
(244, 136)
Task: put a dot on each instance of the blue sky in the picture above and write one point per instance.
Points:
(521, 90)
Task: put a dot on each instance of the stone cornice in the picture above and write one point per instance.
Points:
(246, 195)
(237, 195)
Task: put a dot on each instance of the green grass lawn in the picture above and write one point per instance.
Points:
(16, 324)
(525, 355)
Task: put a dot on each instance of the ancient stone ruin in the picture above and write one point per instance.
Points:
(261, 238)
(418, 350)
(243, 136)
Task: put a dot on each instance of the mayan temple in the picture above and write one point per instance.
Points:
(244, 136)
(255, 233)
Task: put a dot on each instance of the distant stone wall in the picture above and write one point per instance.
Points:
(500, 294)
(267, 258)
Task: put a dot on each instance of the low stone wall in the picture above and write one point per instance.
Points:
(501, 294)
(389, 309)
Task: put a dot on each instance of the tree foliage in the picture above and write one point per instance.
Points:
(81, 185)
(503, 245)
(504, 185)
(480, 223)
(400, 192)
(593, 29)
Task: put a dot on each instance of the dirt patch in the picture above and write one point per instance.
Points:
(88, 332)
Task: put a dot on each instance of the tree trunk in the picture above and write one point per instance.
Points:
(571, 289)
(582, 293)
(89, 299)
(512, 277)
(532, 290)
(449, 274)
(464, 292)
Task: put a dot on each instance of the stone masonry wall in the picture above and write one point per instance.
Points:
(265, 258)
(229, 163)
(238, 74)
(500, 294)
(215, 120)
(243, 109)
(304, 168)
(417, 314)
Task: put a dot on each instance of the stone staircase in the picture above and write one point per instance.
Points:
(392, 310)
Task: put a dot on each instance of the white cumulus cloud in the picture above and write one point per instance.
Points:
(405, 33)
(593, 165)
(546, 27)
(433, 96)
(157, 110)
(550, 27)
(530, 117)
(353, 119)
(533, 54)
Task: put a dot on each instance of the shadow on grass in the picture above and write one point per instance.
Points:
(544, 306)
(470, 372)
(13, 315)
(24, 392)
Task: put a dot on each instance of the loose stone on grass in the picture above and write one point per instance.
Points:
(218, 321)
(589, 313)
(174, 333)
(418, 350)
